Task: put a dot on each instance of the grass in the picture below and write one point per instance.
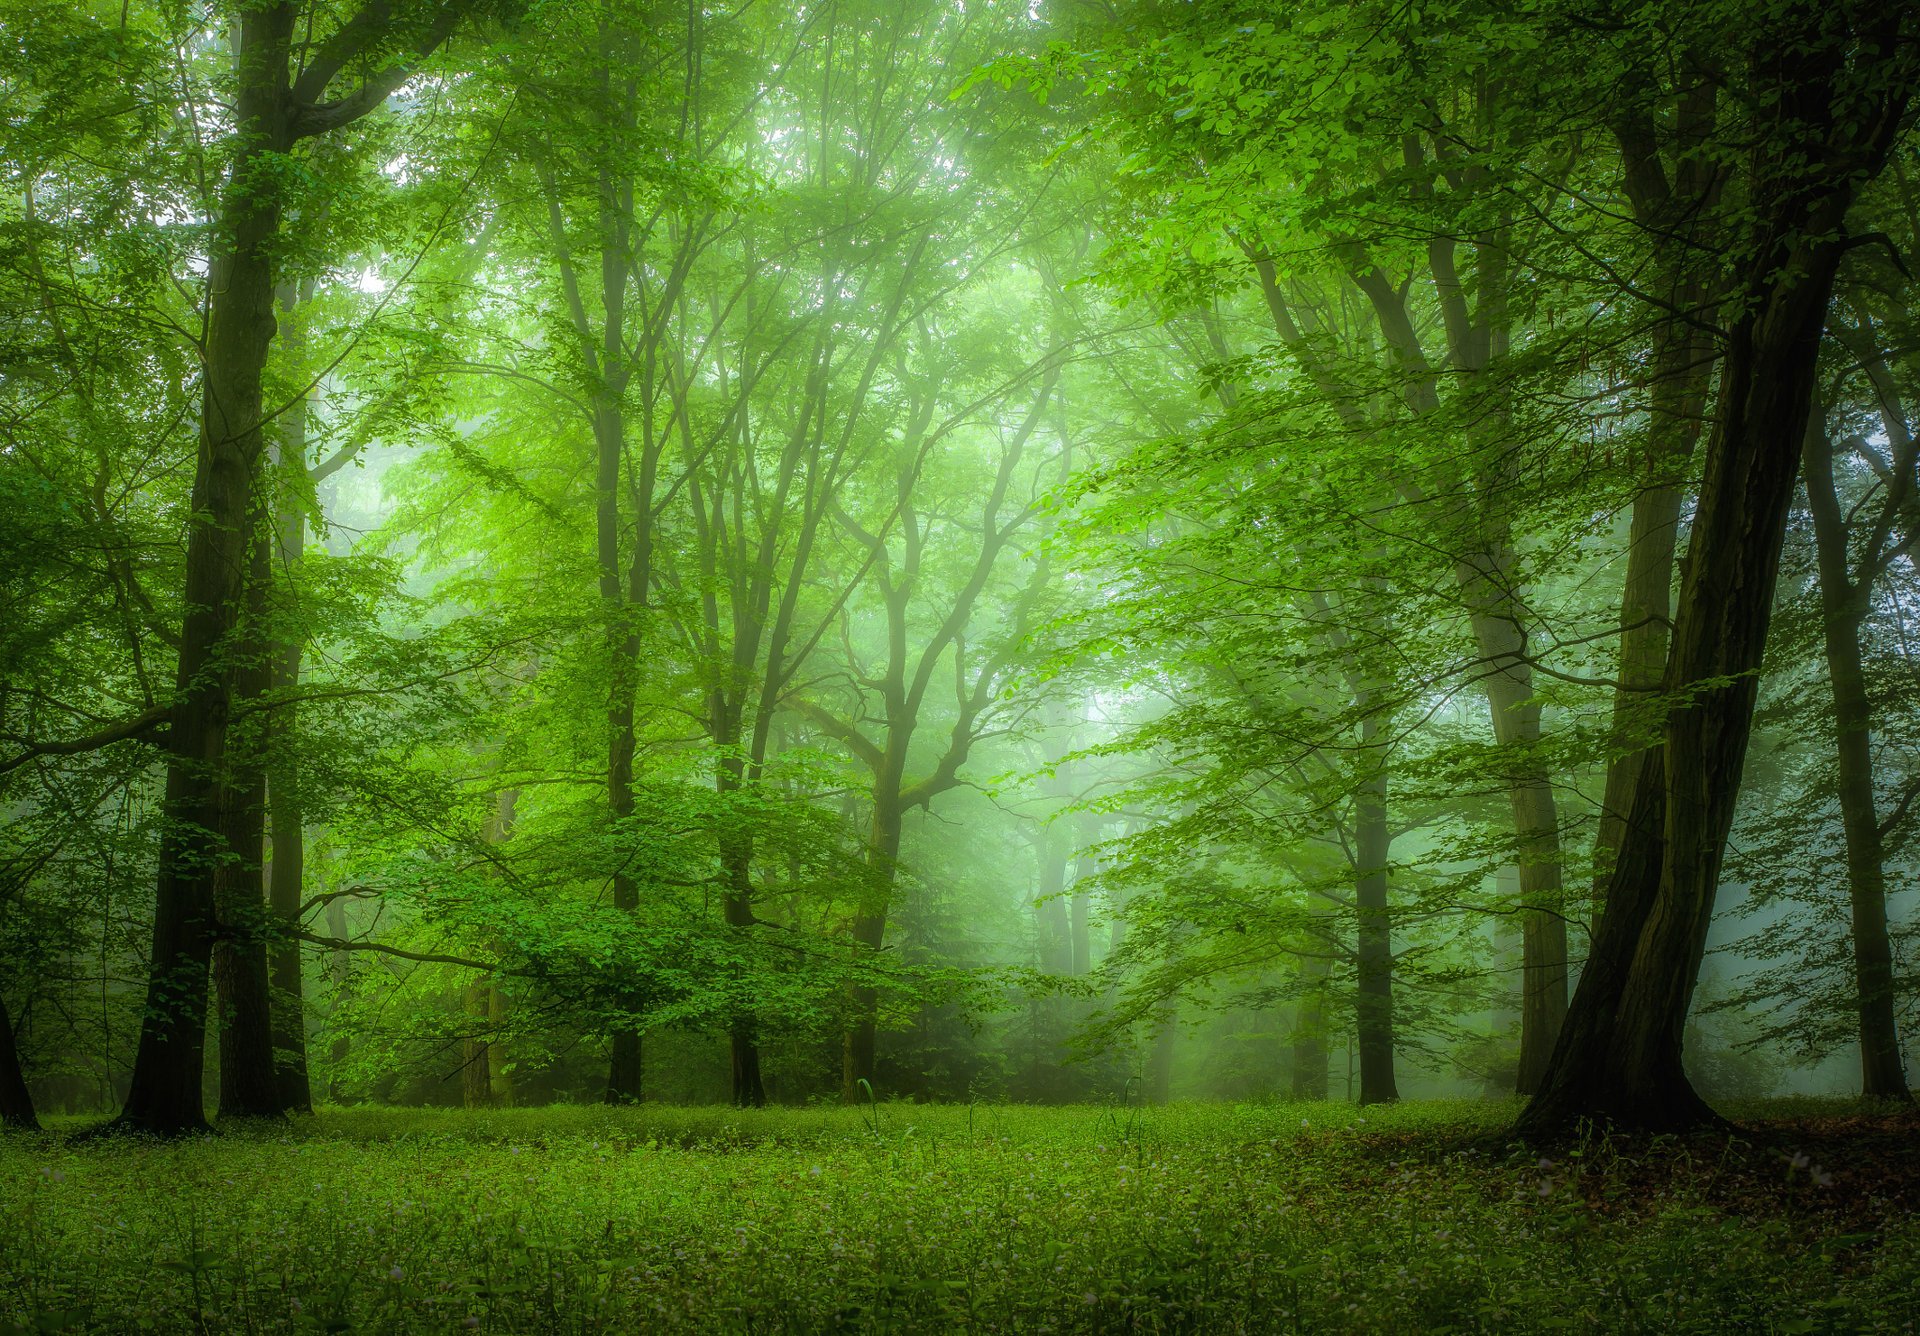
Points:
(1204, 1218)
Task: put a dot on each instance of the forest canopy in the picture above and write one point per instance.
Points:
(598, 550)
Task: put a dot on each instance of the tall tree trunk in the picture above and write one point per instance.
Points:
(1373, 1001)
(16, 1103)
(286, 872)
(1844, 605)
(164, 1096)
(484, 1082)
(1621, 1061)
(1676, 207)
(248, 1085)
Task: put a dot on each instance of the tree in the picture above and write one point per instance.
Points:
(1836, 85)
(281, 101)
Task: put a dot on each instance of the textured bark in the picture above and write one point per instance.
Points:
(271, 111)
(248, 1084)
(164, 1096)
(1619, 1057)
(16, 1103)
(1844, 603)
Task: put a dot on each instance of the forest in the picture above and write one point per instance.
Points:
(843, 665)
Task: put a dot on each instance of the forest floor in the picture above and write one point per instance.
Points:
(1204, 1218)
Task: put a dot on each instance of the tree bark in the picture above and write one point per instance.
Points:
(1844, 603)
(1619, 1058)
(164, 1096)
(248, 1084)
(16, 1102)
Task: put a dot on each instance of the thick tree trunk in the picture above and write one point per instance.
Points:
(16, 1103)
(248, 1085)
(164, 1096)
(1622, 1060)
(1373, 1001)
(1844, 606)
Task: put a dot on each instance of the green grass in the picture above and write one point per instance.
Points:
(1188, 1218)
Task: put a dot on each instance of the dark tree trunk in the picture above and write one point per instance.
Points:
(16, 1103)
(1676, 206)
(476, 1062)
(1844, 605)
(164, 1096)
(1373, 1001)
(1619, 1058)
(248, 1085)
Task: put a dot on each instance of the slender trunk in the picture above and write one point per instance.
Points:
(623, 645)
(165, 1095)
(286, 875)
(16, 1103)
(742, 1034)
(1081, 910)
(484, 1083)
(1310, 1029)
(340, 971)
(1844, 605)
(1050, 908)
(1160, 1060)
(1373, 1002)
(1682, 373)
(870, 931)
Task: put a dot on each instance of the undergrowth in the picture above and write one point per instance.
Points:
(1417, 1218)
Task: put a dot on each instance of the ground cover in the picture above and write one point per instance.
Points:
(1412, 1218)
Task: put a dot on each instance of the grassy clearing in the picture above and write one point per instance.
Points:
(1189, 1218)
